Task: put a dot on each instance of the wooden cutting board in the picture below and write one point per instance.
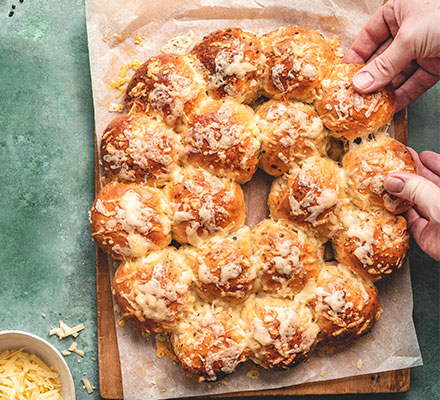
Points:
(110, 379)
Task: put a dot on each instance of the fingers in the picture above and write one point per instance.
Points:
(431, 160)
(416, 85)
(372, 35)
(421, 191)
(427, 171)
(384, 67)
(405, 74)
(416, 224)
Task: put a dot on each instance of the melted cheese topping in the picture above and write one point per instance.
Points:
(155, 296)
(179, 44)
(26, 376)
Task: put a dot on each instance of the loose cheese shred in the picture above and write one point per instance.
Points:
(26, 376)
(74, 347)
(87, 385)
(64, 330)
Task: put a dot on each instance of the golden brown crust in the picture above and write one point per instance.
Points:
(351, 114)
(222, 267)
(152, 291)
(221, 137)
(281, 332)
(373, 244)
(286, 260)
(130, 220)
(367, 165)
(310, 197)
(210, 343)
(346, 305)
(204, 205)
(297, 60)
(168, 85)
(290, 133)
(232, 63)
(138, 148)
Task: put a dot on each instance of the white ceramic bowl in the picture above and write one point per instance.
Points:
(50, 355)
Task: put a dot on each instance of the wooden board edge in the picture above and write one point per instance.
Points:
(110, 377)
(109, 366)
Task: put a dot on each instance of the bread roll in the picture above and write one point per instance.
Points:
(351, 114)
(346, 305)
(286, 259)
(222, 138)
(167, 84)
(222, 267)
(138, 148)
(373, 244)
(368, 164)
(130, 220)
(232, 63)
(210, 343)
(204, 205)
(153, 291)
(281, 332)
(310, 197)
(290, 133)
(297, 60)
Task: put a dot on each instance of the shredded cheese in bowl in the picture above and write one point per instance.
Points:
(25, 376)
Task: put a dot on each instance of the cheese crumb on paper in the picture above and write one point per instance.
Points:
(179, 44)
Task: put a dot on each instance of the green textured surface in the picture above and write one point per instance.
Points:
(46, 188)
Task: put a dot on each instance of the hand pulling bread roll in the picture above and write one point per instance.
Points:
(348, 113)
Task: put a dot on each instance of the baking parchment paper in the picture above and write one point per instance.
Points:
(393, 343)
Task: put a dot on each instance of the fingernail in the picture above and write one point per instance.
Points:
(363, 80)
(394, 184)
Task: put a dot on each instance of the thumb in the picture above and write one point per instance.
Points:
(382, 70)
(421, 191)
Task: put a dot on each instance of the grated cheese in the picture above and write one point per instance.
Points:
(64, 330)
(87, 385)
(26, 376)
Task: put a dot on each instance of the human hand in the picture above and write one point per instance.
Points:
(401, 43)
(424, 191)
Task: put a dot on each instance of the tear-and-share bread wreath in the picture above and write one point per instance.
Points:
(197, 127)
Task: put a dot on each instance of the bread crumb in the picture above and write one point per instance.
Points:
(359, 364)
(121, 322)
(153, 382)
(323, 373)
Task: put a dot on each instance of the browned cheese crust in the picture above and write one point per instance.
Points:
(222, 137)
(222, 267)
(290, 133)
(351, 114)
(368, 164)
(210, 343)
(346, 305)
(138, 148)
(168, 85)
(373, 244)
(130, 220)
(232, 63)
(310, 197)
(204, 205)
(281, 332)
(153, 292)
(286, 260)
(297, 60)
